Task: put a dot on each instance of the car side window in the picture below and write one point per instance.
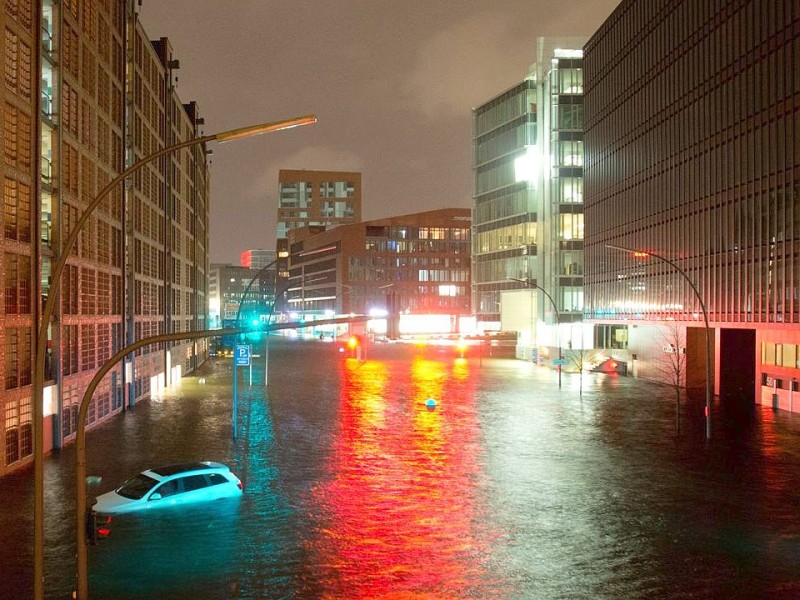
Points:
(167, 489)
(194, 482)
(216, 478)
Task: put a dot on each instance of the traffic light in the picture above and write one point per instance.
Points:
(96, 527)
(353, 346)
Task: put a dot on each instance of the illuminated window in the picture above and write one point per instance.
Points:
(571, 226)
(570, 190)
(569, 153)
(570, 81)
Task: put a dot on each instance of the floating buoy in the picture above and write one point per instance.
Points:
(430, 403)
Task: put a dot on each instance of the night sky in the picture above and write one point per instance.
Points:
(391, 82)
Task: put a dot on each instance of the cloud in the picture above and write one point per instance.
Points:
(467, 63)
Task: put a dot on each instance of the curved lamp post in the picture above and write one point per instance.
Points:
(234, 404)
(535, 286)
(83, 409)
(49, 306)
(645, 254)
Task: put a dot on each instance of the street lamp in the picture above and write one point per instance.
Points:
(535, 286)
(234, 404)
(644, 254)
(49, 306)
(83, 410)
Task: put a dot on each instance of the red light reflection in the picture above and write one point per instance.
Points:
(402, 514)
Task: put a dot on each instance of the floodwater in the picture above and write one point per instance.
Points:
(356, 488)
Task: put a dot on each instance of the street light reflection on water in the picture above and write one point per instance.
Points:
(509, 488)
(402, 512)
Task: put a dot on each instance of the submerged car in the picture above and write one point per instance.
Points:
(171, 485)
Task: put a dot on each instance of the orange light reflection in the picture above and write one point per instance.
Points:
(402, 513)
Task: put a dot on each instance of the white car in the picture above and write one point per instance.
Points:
(171, 485)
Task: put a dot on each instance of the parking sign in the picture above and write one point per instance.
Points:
(242, 356)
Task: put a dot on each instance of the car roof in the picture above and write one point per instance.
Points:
(169, 470)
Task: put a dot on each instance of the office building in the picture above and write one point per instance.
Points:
(528, 204)
(257, 259)
(230, 286)
(412, 264)
(86, 95)
(692, 125)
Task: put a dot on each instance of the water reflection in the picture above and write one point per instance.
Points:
(177, 552)
(509, 488)
(401, 510)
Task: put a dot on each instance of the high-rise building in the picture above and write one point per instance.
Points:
(86, 95)
(317, 199)
(528, 204)
(692, 125)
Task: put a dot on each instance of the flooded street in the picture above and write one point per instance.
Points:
(355, 488)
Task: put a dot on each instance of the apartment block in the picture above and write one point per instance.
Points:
(86, 95)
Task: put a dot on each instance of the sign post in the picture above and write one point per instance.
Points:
(241, 358)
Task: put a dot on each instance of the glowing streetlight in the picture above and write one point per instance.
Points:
(642, 254)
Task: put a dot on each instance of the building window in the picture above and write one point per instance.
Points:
(20, 11)
(18, 357)
(572, 298)
(17, 211)
(88, 359)
(570, 227)
(569, 190)
(336, 189)
(570, 81)
(18, 430)
(569, 153)
(69, 349)
(17, 284)
(570, 117)
(611, 337)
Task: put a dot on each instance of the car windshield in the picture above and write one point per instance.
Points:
(136, 487)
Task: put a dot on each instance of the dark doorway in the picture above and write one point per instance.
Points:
(737, 367)
(696, 358)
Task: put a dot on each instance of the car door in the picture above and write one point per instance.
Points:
(194, 489)
(166, 494)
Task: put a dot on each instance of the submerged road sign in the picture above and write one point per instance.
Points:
(242, 356)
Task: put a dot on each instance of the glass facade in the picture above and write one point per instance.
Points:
(528, 204)
(692, 135)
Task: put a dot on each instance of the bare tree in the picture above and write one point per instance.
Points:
(671, 366)
(579, 359)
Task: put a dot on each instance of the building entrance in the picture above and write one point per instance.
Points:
(737, 367)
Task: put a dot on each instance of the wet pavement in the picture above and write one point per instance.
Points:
(355, 488)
